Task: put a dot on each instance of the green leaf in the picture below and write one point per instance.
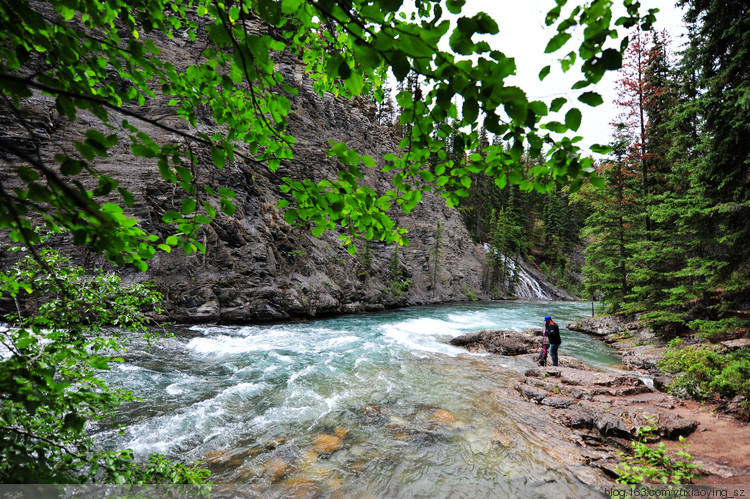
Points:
(367, 161)
(400, 65)
(591, 98)
(454, 6)
(71, 167)
(27, 174)
(290, 216)
(601, 149)
(612, 59)
(270, 11)
(127, 196)
(170, 216)
(544, 72)
(597, 181)
(557, 104)
(556, 42)
(218, 157)
(227, 207)
(573, 119)
(226, 192)
(188, 206)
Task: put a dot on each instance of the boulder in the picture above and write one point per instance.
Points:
(498, 342)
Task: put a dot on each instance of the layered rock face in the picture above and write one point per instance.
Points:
(257, 267)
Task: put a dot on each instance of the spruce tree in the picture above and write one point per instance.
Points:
(718, 54)
(653, 253)
(609, 229)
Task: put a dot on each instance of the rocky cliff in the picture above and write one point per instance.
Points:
(256, 266)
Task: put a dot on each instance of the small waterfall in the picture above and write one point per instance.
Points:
(521, 282)
(525, 285)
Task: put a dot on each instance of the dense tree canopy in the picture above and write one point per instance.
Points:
(676, 246)
(107, 59)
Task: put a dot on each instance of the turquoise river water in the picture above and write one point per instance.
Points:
(405, 413)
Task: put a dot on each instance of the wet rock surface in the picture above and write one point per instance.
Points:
(603, 411)
(526, 344)
(613, 404)
(499, 342)
(598, 411)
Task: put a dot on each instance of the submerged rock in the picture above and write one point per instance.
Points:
(275, 469)
(327, 444)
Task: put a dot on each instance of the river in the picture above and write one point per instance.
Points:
(407, 414)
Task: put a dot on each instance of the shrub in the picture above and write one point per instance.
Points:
(703, 372)
(654, 464)
(69, 328)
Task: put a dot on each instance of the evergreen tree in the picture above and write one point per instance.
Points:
(718, 54)
(385, 113)
(609, 227)
(653, 253)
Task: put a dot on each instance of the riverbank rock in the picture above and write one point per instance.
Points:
(614, 405)
(613, 327)
(527, 343)
(498, 342)
(275, 469)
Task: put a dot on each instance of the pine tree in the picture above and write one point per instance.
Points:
(385, 113)
(653, 253)
(718, 54)
(633, 88)
(608, 256)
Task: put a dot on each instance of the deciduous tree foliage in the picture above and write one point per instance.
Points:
(106, 58)
(53, 349)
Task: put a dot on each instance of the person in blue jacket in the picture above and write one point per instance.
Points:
(553, 336)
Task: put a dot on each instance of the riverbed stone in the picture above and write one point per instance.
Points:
(341, 432)
(275, 469)
(327, 444)
(444, 417)
(302, 488)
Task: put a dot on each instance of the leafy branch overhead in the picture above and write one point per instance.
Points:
(107, 59)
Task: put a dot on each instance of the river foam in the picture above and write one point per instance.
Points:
(413, 408)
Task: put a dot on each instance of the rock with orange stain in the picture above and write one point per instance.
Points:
(357, 467)
(327, 443)
(217, 457)
(309, 457)
(372, 410)
(301, 488)
(334, 484)
(275, 468)
(341, 432)
(501, 438)
(442, 416)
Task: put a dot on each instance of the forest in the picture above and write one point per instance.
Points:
(661, 214)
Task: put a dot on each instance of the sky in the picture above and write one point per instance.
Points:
(524, 36)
